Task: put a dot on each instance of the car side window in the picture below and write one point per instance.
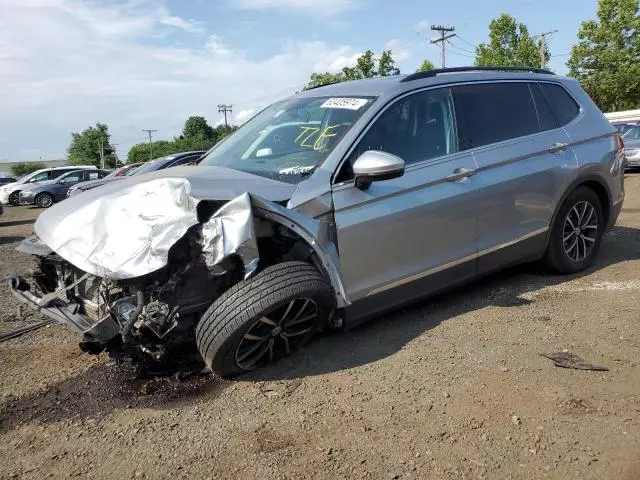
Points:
(92, 175)
(563, 105)
(493, 112)
(41, 177)
(72, 178)
(545, 115)
(416, 128)
(58, 173)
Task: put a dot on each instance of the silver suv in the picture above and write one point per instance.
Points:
(330, 207)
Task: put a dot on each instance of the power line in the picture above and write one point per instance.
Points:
(150, 142)
(224, 109)
(467, 42)
(460, 48)
(454, 52)
(443, 36)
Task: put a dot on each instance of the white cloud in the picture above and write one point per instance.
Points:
(324, 8)
(244, 115)
(66, 64)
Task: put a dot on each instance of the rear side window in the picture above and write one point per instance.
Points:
(494, 112)
(545, 115)
(563, 106)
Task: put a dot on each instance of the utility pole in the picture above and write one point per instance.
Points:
(224, 109)
(443, 37)
(542, 44)
(150, 142)
(101, 152)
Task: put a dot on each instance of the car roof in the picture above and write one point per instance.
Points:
(397, 84)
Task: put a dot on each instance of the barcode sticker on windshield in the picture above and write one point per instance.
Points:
(348, 103)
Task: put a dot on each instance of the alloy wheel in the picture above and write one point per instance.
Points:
(44, 200)
(580, 231)
(277, 333)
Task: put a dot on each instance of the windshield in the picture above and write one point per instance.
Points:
(150, 166)
(633, 134)
(290, 139)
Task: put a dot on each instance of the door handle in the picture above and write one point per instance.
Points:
(459, 174)
(558, 147)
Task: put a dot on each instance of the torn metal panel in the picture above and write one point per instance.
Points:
(309, 230)
(231, 230)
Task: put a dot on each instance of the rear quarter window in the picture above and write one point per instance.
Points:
(494, 112)
(563, 106)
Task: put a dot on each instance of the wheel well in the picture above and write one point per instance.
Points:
(603, 196)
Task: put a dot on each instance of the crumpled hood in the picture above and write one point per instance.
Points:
(125, 229)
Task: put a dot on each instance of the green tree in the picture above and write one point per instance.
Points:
(367, 66)
(85, 147)
(426, 65)
(143, 152)
(606, 60)
(510, 45)
(25, 168)
(326, 78)
(197, 127)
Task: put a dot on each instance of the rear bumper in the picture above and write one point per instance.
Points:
(64, 312)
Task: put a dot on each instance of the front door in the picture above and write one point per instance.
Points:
(404, 238)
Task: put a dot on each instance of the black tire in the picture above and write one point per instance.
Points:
(222, 330)
(14, 199)
(556, 256)
(44, 200)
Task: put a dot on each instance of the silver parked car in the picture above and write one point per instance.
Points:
(328, 208)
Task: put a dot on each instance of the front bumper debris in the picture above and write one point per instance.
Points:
(65, 312)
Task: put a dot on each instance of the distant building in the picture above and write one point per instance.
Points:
(5, 167)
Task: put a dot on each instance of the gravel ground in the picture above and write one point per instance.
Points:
(452, 388)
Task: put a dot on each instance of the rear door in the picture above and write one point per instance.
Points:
(521, 153)
(394, 237)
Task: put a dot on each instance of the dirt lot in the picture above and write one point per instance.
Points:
(452, 388)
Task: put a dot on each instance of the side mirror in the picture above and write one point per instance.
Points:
(374, 166)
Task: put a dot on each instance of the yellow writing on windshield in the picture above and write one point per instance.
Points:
(315, 137)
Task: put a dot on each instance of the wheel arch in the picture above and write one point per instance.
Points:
(308, 229)
(593, 182)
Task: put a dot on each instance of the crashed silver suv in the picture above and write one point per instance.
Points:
(327, 208)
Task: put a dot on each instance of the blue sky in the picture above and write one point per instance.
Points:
(134, 64)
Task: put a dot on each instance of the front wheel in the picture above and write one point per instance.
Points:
(262, 319)
(576, 233)
(14, 199)
(44, 200)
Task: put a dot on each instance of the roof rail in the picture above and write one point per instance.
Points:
(433, 73)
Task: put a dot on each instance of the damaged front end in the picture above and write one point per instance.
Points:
(155, 311)
(137, 281)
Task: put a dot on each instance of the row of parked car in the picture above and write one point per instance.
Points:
(48, 186)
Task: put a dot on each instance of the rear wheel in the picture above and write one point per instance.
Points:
(44, 200)
(576, 233)
(265, 318)
(14, 199)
